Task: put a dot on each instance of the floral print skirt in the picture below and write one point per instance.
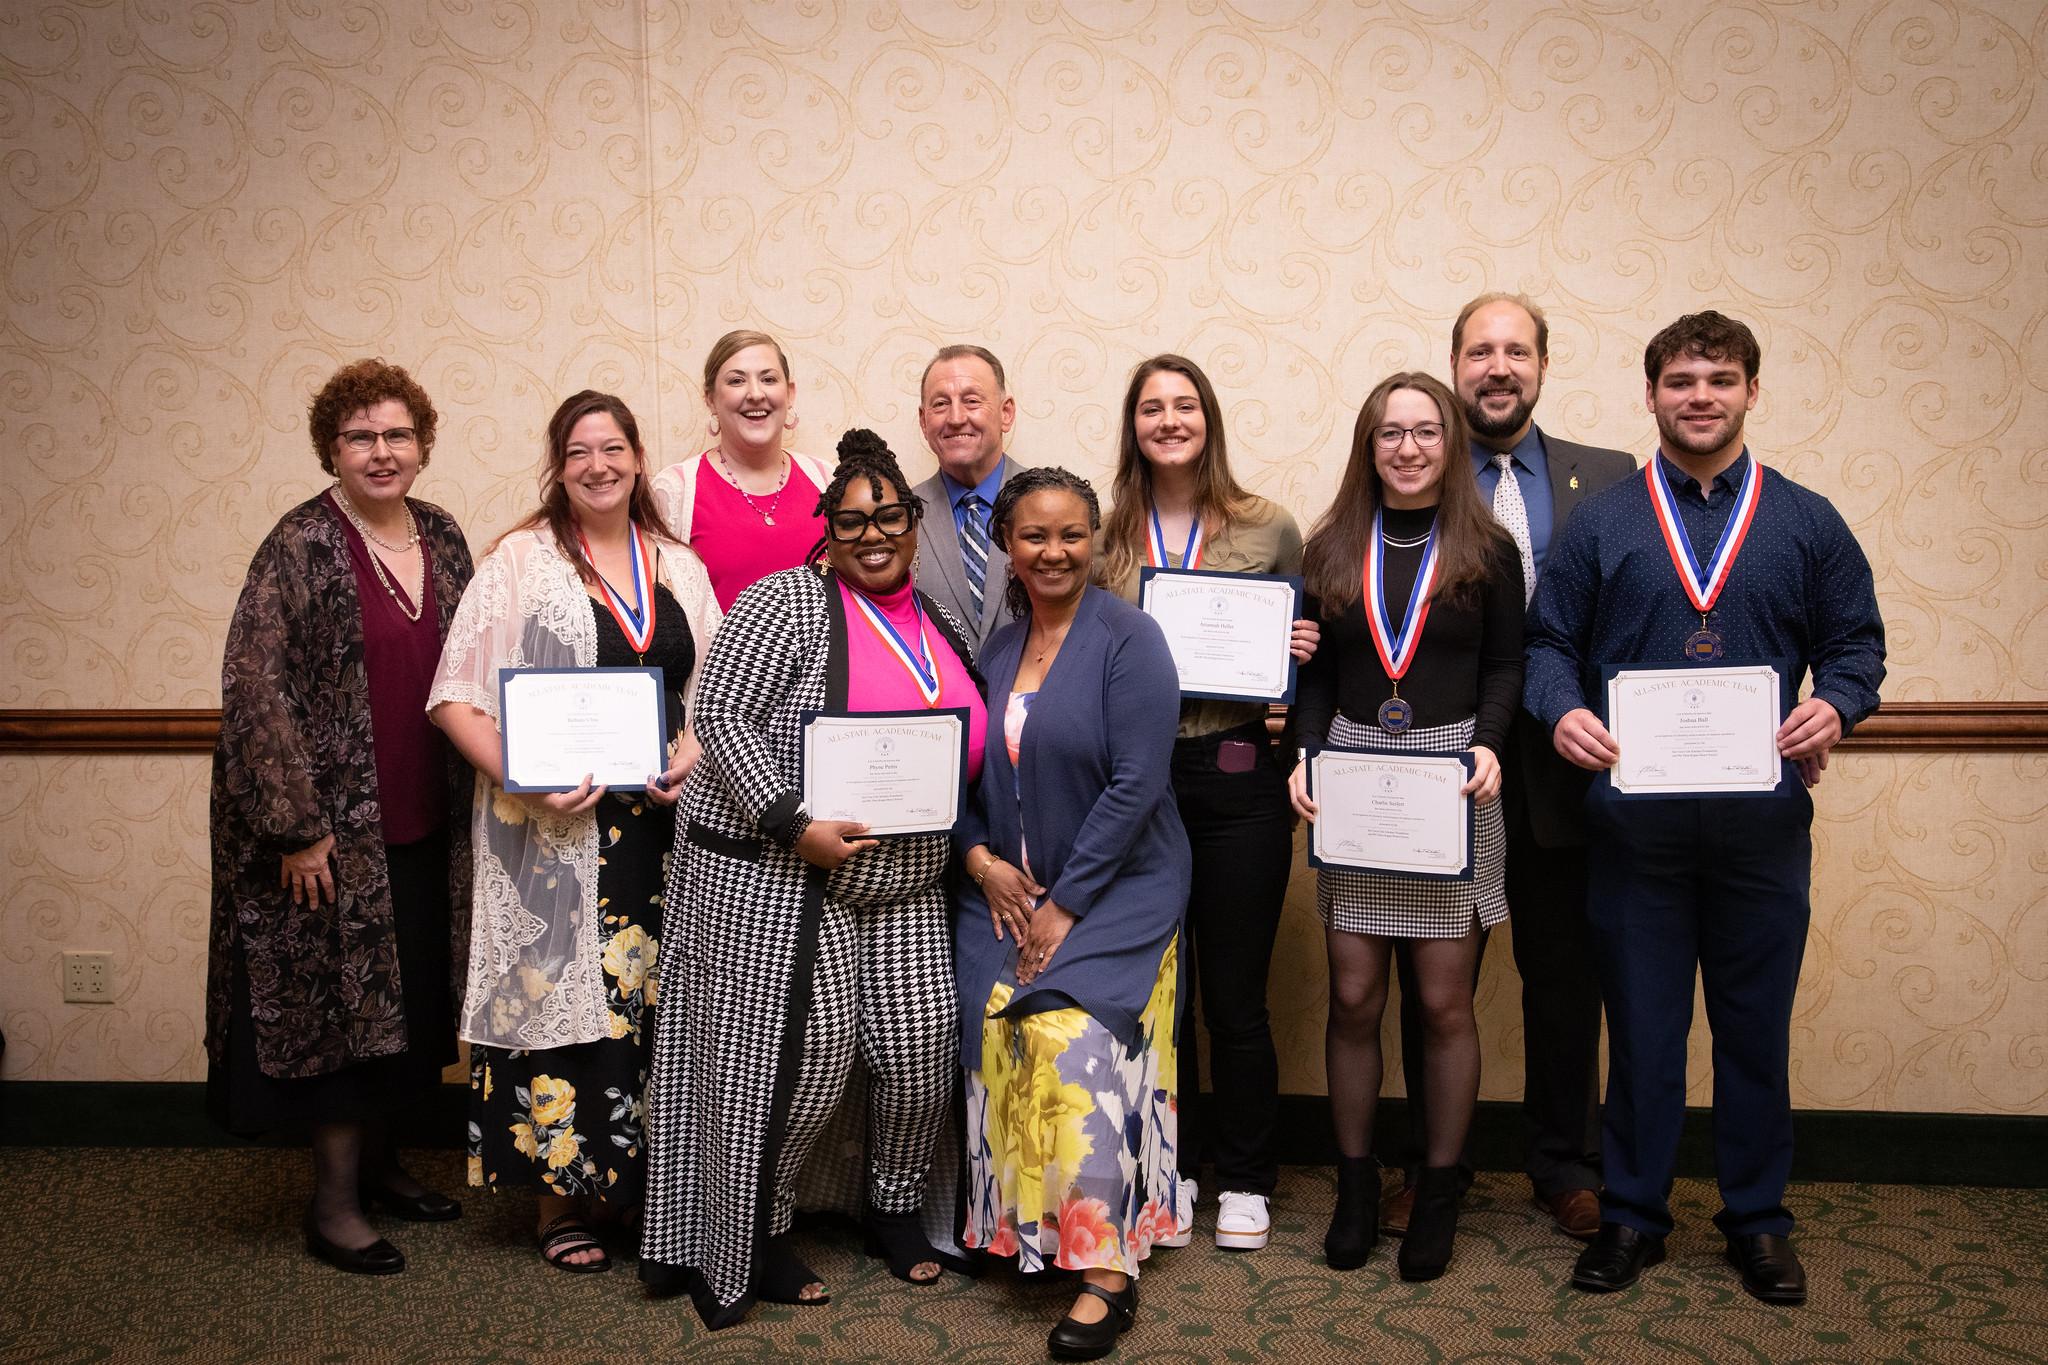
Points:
(1073, 1139)
(572, 1120)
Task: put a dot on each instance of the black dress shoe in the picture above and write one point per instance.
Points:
(1618, 1256)
(427, 1206)
(1074, 1340)
(1770, 1270)
(378, 1258)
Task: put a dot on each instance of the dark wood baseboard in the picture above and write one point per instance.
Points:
(1927, 726)
(1829, 1145)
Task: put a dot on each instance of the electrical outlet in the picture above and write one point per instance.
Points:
(88, 978)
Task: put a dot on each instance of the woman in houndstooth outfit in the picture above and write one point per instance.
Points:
(792, 943)
(1420, 596)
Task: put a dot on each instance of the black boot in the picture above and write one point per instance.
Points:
(1426, 1250)
(1355, 1225)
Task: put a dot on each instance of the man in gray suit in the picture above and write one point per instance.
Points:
(1500, 348)
(965, 412)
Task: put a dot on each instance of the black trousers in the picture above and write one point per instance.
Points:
(1560, 1020)
(1243, 844)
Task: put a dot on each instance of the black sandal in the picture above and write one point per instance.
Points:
(779, 1277)
(897, 1239)
(566, 1235)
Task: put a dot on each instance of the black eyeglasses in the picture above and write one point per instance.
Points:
(362, 442)
(891, 519)
(1428, 436)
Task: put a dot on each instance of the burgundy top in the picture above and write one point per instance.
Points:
(399, 657)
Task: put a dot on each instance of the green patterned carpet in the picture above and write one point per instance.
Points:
(176, 1254)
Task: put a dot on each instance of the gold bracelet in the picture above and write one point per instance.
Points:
(978, 876)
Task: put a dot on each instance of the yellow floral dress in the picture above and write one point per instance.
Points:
(572, 1120)
(1073, 1139)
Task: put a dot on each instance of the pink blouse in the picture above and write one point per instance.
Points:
(738, 548)
(878, 681)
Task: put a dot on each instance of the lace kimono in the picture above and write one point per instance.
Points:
(535, 979)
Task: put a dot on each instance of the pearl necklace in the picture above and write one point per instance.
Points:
(767, 517)
(411, 613)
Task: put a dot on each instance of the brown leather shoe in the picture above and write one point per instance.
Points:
(1394, 1211)
(1576, 1213)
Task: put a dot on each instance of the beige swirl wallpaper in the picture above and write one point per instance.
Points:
(205, 208)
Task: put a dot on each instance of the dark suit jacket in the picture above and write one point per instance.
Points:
(941, 573)
(1541, 789)
(1091, 797)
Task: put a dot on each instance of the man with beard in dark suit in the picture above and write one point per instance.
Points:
(1500, 349)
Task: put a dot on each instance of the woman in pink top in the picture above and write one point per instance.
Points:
(747, 505)
(803, 940)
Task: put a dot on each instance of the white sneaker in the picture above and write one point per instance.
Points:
(1184, 1216)
(1242, 1223)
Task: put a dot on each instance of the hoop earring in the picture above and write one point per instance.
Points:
(711, 428)
(789, 422)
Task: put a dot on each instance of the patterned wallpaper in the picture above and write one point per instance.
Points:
(203, 209)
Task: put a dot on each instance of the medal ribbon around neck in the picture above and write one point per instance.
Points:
(1397, 650)
(1155, 543)
(1703, 585)
(635, 620)
(919, 666)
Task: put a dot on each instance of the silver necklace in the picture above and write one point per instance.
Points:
(1399, 544)
(767, 517)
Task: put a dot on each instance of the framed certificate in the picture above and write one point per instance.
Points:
(557, 724)
(1229, 632)
(1400, 814)
(1702, 731)
(897, 772)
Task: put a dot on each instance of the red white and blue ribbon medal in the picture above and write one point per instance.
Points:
(1703, 584)
(1155, 544)
(1396, 648)
(923, 672)
(636, 619)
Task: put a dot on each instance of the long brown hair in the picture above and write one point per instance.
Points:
(1219, 499)
(1469, 540)
(554, 511)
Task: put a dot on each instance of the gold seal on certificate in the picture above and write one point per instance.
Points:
(558, 724)
(1695, 731)
(1401, 814)
(1229, 632)
(897, 772)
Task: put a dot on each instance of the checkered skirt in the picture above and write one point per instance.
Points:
(1404, 907)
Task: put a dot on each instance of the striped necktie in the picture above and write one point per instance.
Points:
(974, 548)
(1513, 515)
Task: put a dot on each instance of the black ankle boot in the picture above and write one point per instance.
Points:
(1355, 1224)
(1433, 1227)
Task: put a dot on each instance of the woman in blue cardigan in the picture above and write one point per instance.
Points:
(1065, 943)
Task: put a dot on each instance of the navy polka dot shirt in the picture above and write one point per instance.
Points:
(1800, 591)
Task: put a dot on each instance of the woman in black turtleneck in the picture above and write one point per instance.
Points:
(1409, 488)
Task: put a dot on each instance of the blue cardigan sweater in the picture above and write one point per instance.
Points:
(1098, 813)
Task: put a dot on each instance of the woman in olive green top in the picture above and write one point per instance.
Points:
(1177, 506)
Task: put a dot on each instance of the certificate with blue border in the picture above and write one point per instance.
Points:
(1229, 632)
(1396, 813)
(557, 724)
(900, 773)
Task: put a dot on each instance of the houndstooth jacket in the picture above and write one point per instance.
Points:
(740, 934)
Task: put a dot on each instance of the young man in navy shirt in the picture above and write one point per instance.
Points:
(1716, 882)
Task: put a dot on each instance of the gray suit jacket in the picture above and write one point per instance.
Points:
(1538, 786)
(941, 573)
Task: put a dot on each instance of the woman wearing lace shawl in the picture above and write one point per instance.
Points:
(559, 1005)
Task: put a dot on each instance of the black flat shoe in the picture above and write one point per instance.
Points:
(1074, 1340)
(1770, 1270)
(1616, 1259)
(428, 1206)
(378, 1258)
(896, 1239)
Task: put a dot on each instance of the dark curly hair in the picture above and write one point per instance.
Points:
(362, 384)
(1022, 485)
(862, 455)
(1705, 336)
